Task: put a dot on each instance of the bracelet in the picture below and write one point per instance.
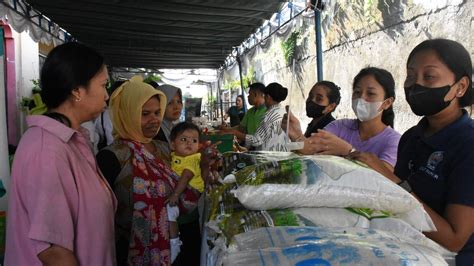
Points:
(351, 150)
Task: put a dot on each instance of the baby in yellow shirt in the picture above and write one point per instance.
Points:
(186, 162)
(186, 158)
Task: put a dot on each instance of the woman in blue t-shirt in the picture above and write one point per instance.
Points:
(237, 112)
(435, 159)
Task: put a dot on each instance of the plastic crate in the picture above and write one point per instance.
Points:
(227, 141)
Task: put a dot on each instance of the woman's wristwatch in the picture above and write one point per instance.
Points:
(405, 185)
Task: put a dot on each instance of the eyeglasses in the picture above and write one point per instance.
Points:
(187, 139)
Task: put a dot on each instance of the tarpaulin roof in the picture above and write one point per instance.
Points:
(160, 34)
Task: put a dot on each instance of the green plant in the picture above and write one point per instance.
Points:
(36, 86)
(152, 77)
(289, 46)
(25, 103)
(34, 105)
(28, 103)
(369, 7)
(211, 99)
(232, 85)
(247, 79)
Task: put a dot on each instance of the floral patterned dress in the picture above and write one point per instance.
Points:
(142, 188)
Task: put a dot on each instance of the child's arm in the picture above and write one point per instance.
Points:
(183, 181)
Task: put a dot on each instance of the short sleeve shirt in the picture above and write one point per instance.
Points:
(269, 135)
(191, 163)
(440, 168)
(384, 144)
(235, 115)
(58, 196)
(253, 118)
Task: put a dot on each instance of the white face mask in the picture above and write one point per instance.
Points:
(365, 110)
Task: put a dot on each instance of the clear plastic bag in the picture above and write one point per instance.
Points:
(328, 246)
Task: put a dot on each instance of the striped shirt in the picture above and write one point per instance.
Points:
(269, 135)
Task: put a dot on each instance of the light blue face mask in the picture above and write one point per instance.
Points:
(365, 110)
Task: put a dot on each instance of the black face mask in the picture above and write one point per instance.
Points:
(314, 110)
(426, 101)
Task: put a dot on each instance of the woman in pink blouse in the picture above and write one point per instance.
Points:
(61, 209)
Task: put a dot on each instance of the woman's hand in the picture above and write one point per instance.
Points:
(222, 126)
(311, 146)
(213, 177)
(294, 129)
(327, 143)
(240, 135)
(372, 161)
(211, 160)
(210, 156)
(367, 158)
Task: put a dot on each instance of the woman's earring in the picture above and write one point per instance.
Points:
(77, 99)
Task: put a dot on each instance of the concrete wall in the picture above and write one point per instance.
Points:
(357, 34)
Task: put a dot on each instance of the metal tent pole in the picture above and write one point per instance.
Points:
(219, 92)
(319, 49)
(210, 104)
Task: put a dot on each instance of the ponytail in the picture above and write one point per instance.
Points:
(388, 116)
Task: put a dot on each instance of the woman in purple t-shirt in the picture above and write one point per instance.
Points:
(372, 98)
(435, 159)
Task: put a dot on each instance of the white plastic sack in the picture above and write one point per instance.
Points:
(337, 217)
(419, 220)
(332, 181)
(327, 246)
(402, 229)
(332, 217)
